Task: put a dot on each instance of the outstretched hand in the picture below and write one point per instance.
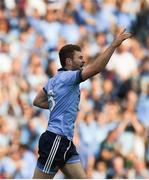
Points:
(120, 38)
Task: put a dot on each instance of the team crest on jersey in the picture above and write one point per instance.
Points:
(51, 99)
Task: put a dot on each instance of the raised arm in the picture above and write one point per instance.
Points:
(101, 61)
(41, 100)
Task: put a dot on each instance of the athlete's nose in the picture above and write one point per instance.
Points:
(83, 62)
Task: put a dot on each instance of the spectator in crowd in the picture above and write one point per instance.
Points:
(117, 171)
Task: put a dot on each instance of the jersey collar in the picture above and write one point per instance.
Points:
(62, 69)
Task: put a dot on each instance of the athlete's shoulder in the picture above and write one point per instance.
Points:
(70, 77)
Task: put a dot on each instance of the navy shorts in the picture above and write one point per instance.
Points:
(54, 151)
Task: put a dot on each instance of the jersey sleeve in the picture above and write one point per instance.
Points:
(73, 77)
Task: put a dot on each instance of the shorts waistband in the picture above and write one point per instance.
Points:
(52, 133)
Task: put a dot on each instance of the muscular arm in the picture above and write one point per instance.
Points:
(100, 62)
(41, 100)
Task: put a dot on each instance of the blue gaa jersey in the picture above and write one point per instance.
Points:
(63, 98)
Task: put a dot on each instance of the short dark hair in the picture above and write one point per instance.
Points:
(67, 51)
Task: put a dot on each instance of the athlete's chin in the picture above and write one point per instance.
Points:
(78, 68)
(81, 68)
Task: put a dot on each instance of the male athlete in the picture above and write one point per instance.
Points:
(61, 96)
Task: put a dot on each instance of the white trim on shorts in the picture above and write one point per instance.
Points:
(52, 154)
(67, 150)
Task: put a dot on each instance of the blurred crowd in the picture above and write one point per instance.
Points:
(112, 127)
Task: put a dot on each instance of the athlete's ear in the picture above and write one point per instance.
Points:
(68, 61)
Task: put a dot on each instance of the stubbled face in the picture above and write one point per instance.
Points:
(78, 61)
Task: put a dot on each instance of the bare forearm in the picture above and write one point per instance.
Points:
(41, 100)
(43, 105)
(102, 60)
(137, 126)
(99, 64)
